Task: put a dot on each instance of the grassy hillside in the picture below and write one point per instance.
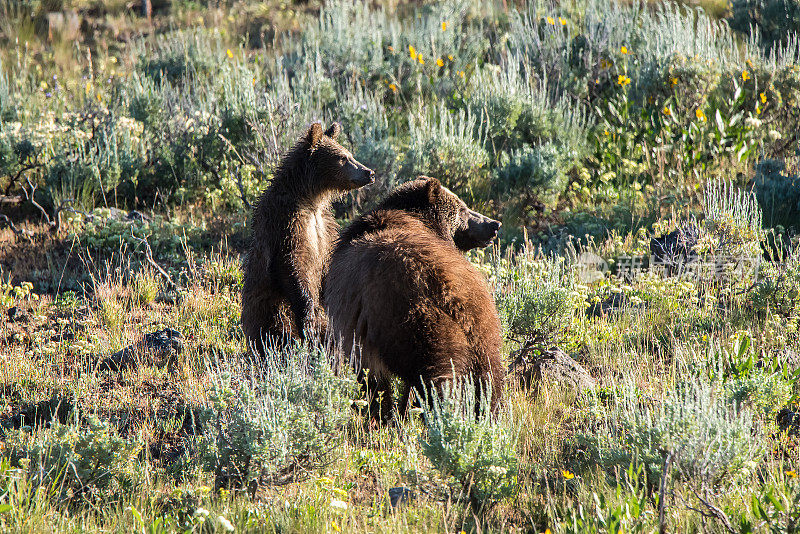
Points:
(131, 147)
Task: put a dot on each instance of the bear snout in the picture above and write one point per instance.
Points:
(363, 177)
(479, 232)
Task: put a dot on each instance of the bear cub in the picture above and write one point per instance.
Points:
(403, 301)
(293, 231)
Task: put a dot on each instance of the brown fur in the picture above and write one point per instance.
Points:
(401, 293)
(293, 230)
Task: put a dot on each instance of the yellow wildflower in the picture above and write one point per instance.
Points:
(674, 81)
(550, 21)
(700, 115)
(440, 62)
(230, 54)
(99, 98)
(393, 87)
(791, 474)
(745, 75)
(461, 73)
(547, 531)
(334, 526)
(666, 111)
(412, 52)
(391, 49)
(567, 474)
(444, 25)
(562, 21)
(758, 110)
(624, 49)
(421, 61)
(623, 80)
(450, 57)
(763, 98)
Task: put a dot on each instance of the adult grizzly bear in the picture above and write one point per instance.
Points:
(403, 300)
(293, 230)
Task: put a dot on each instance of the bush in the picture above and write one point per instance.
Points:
(773, 20)
(537, 172)
(278, 427)
(465, 442)
(537, 299)
(777, 290)
(450, 148)
(72, 461)
(712, 441)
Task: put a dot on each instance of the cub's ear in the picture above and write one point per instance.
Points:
(314, 134)
(334, 130)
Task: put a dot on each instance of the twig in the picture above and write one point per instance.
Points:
(713, 512)
(66, 205)
(5, 221)
(30, 198)
(149, 255)
(662, 526)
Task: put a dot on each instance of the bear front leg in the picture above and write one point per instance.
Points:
(303, 305)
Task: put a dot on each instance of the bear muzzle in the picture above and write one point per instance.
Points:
(359, 174)
(480, 232)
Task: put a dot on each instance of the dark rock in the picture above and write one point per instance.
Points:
(163, 345)
(400, 495)
(531, 366)
(675, 249)
(137, 216)
(13, 313)
(789, 421)
(42, 413)
(613, 304)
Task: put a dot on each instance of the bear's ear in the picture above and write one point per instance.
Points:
(314, 134)
(434, 189)
(334, 130)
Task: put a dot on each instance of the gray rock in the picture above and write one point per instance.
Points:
(163, 345)
(531, 366)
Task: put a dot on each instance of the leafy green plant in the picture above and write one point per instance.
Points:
(538, 299)
(773, 21)
(280, 425)
(77, 463)
(466, 442)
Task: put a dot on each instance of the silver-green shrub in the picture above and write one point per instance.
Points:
(73, 461)
(710, 438)
(538, 298)
(278, 422)
(450, 147)
(466, 442)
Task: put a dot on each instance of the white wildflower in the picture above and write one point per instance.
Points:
(752, 122)
(339, 505)
(224, 524)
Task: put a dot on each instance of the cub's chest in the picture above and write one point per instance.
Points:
(312, 235)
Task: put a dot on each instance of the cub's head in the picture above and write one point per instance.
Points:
(331, 162)
(445, 213)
